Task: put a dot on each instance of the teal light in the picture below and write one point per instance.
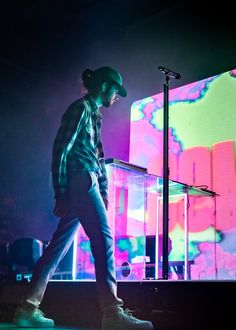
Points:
(137, 109)
(85, 246)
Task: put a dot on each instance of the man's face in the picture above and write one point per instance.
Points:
(110, 95)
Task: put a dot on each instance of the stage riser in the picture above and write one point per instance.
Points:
(169, 304)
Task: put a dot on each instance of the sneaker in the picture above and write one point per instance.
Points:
(123, 320)
(33, 318)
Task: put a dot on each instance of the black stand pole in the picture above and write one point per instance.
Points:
(165, 262)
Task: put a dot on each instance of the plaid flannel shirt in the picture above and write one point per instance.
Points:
(78, 145)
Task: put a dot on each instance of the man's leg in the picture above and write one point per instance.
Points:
(28, 314)
(93, 218)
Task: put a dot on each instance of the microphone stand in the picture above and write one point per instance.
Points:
(165, 262)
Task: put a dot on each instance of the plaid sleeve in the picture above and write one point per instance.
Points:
(72, 122)
(102, 177)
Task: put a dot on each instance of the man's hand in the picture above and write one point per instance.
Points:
(105, 201)
(60, 209)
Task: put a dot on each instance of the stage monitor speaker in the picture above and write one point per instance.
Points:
(24, 253)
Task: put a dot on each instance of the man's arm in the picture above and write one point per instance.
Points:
(72, 122)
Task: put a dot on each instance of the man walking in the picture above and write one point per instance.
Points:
(81, 197)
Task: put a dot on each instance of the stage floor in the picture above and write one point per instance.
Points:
(10, 326)
(170, 305)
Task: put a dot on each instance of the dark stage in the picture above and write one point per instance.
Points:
(168, 304)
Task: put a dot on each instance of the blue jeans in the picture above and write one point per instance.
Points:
(86, 208)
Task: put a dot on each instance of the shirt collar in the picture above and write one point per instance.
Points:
(94, 107)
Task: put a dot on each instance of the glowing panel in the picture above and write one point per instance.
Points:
(202, 135)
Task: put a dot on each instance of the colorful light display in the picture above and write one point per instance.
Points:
(202, 134)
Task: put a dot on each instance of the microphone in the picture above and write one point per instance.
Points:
(169, 72)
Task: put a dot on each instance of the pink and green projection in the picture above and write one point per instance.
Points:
(202, 136)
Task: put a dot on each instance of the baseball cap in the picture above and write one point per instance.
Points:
(106, 73)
